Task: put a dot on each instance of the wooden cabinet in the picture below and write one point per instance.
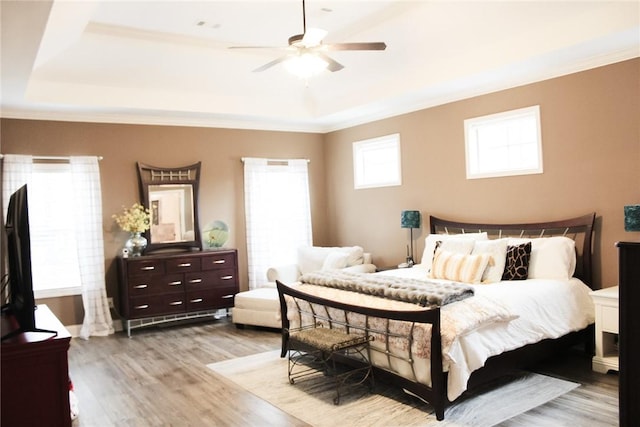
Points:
(629, 325)
(35, 373)
(161, 288)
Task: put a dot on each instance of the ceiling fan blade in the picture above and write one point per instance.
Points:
(270, 64)
(333, 64)
(257, 47)
(356, 46)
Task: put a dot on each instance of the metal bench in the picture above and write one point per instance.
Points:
(315, 349)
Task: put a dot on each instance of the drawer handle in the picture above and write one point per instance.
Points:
(148, 268)
(219, 261)
(227, 277)
(196, 300)
(141, 286)
(141, 307)
(185, 264)
(195, 280)
(227, 296)
(176, 303)
(176, 283)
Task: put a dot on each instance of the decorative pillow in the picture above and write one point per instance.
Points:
(517, 262)
(497, 251)
(335, 261)
(460, 246)
(312, 258)
(431, 239)
(551, 257)
(458, 267)
(355, 254)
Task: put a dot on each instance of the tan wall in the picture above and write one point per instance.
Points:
(591, 148)
(591, 151)
(221, 194)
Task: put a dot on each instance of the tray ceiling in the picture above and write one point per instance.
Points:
(168, 62)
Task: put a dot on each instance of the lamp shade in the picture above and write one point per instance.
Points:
(410, 219)
(632, 218)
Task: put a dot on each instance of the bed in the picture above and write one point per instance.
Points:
(486, 299)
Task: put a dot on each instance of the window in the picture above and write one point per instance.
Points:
(376, 162)
(278, 214)
(54, 254)
(65, 219)
(504, 144)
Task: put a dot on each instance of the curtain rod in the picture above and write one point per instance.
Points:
(51, 157)
(274, 160)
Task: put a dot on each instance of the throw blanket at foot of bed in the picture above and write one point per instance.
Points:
(422, 292)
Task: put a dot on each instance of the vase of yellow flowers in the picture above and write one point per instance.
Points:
(135, 220)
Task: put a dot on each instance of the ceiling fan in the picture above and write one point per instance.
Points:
(309, 46)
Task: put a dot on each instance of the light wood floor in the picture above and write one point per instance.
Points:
(159, 378)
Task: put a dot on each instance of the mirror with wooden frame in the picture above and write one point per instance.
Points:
(171, 195)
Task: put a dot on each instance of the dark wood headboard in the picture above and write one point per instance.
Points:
(579, 229)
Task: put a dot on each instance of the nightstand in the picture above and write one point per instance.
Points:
(606, 306)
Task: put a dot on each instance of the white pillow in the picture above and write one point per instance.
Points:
(551, 257)
(335, 261)
(355, 254)
(431, 239)
(497, 251)
(312, 258)
(458, 267)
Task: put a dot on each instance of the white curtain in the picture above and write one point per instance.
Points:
(86, 189)
(278, 213)
(17, 171)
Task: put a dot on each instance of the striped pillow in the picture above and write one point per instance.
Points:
(458, 267)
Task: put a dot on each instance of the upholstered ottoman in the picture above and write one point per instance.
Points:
(257, 307)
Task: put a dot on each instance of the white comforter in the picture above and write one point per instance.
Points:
(542, 308)
(500, 317)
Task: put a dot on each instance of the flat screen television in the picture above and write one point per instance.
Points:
(20, 299)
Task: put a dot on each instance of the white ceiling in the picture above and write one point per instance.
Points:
(168, 62)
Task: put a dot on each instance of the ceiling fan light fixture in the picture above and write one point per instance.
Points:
(305, 65)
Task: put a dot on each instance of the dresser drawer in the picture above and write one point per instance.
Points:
(210, 298)
(609, 319)
(145, 306)
(219, 260)
(145, 267)
(156, 305)
(154, 284)
(182, 265)
(211, 279)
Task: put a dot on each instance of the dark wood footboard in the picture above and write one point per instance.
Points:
(316, 311)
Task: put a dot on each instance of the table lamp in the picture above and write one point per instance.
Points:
(410, 220)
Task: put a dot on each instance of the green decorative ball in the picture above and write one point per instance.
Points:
(215, 234)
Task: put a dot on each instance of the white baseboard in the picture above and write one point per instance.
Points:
(74, 330)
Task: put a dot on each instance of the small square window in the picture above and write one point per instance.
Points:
(504, 144)
(376, 162)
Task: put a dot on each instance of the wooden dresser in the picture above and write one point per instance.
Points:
(174, 286)
(35, 373)
(628, 344)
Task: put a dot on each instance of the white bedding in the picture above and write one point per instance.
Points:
(545, 309)
(513, 314)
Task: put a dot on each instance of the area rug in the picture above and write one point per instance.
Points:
(311, 400)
